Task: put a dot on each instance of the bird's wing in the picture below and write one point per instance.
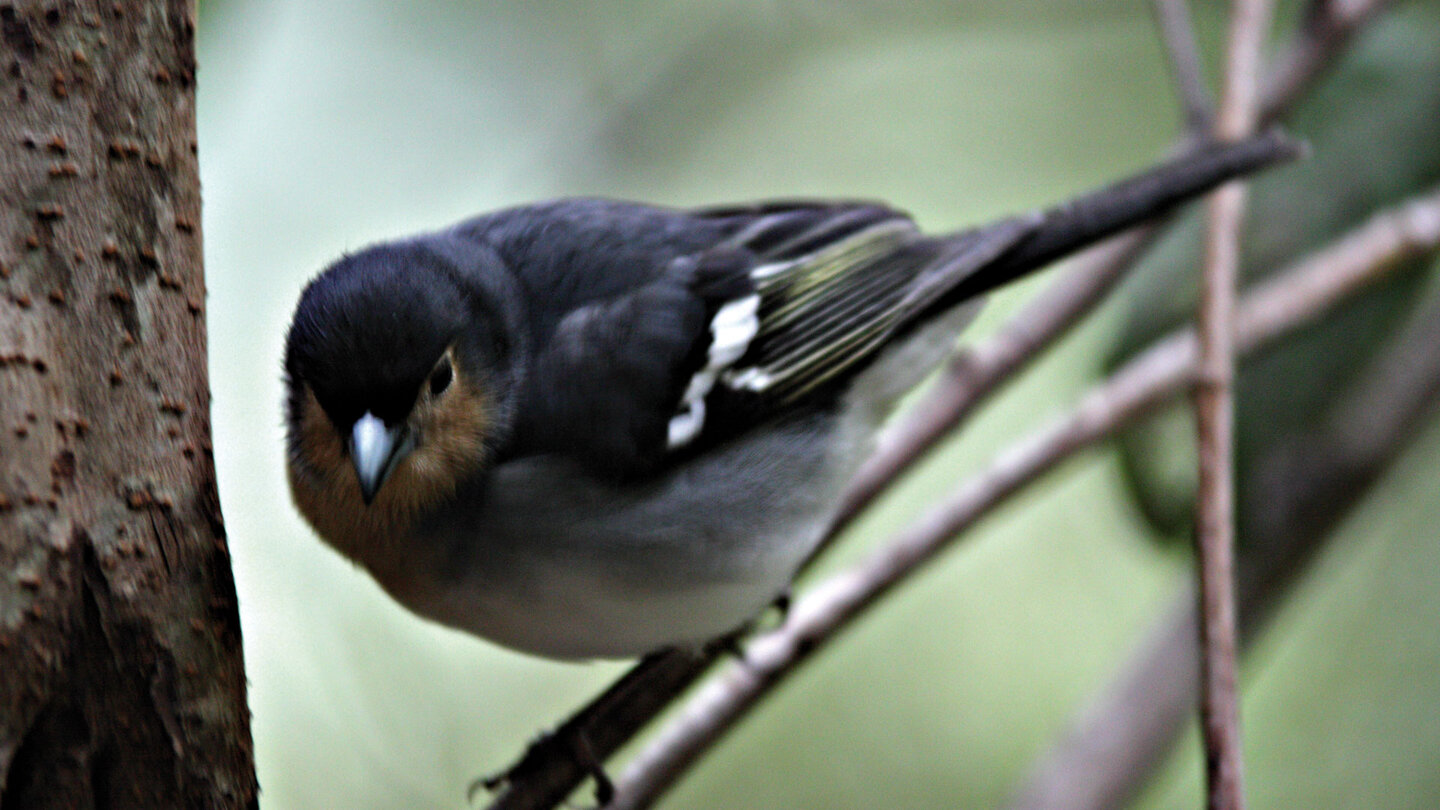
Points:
(790, 301)
(830, 296)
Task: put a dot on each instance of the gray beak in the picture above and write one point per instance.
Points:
(375, 450)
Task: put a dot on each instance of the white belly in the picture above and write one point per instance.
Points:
(594, 571)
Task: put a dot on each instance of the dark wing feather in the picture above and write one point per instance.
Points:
(787, 301)
(833, 294)
(657, 332)
(790, 301)
(606, 384)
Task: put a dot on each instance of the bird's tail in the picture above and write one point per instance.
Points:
(838, 284)
(1068, 227)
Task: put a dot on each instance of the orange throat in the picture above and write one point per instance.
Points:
(325, 488)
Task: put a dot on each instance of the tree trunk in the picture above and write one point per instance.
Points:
(121, 677)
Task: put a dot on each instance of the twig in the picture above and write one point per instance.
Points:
(1215, 423)
(1328, 27)
(1101, 761)
(1177, 31)
(1271, 309)
(976, 372)
(1127, 729)
(972, 375)
(1407, 374)
(549, 770)
(1006, 353)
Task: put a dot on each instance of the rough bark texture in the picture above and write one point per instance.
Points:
(121, 679)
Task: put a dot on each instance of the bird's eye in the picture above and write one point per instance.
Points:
(440, 377)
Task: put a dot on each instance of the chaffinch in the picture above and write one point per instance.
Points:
(589, 428)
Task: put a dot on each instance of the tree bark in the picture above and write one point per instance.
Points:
(121, 677)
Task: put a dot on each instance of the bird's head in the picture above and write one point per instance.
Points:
(392, 397)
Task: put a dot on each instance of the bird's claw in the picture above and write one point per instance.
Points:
(571, 740)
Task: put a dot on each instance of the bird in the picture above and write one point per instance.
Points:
(590, 428)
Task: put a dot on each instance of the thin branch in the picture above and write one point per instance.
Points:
(976, 372)
(972, 375)
(1328, 28)
(1177, 31)
(1271, 309)
(1129, 727)
(1215, 508)
(1125, 732)
(1215, 423)
(1386, 403)
(554, 765)
(995, 361)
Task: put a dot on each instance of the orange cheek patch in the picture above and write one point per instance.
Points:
(320, 445)
(324, 486)
(452, 436)
(323, 483)
(451, 447)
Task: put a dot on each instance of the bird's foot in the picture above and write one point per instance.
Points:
(570, 740)
(781, 605)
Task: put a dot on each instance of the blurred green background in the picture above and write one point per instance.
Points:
(325, 126)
